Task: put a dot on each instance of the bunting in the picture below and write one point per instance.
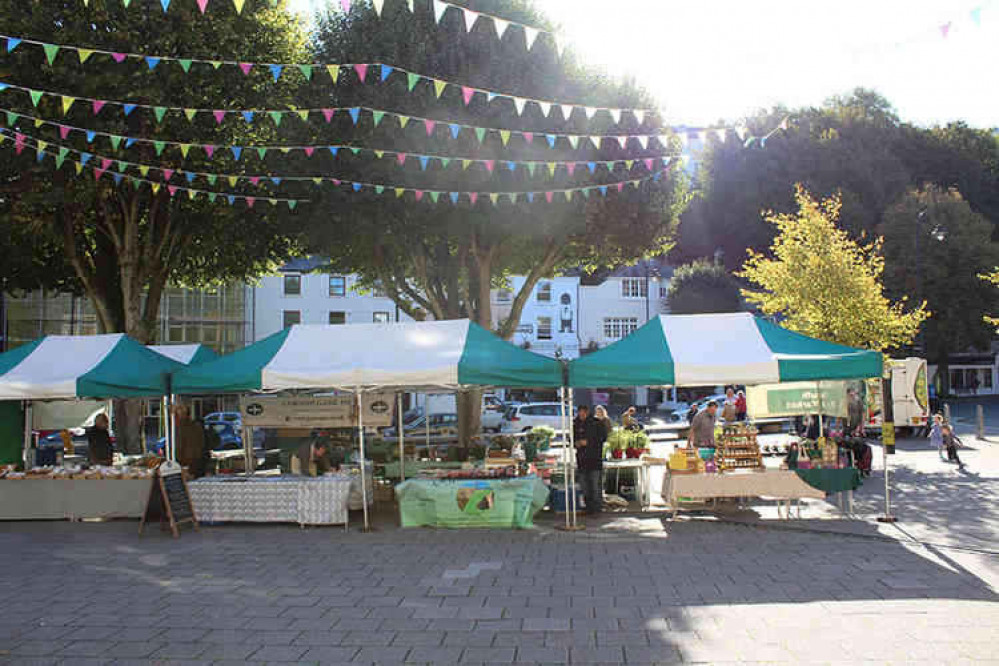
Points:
(387, 72)
(101, 165)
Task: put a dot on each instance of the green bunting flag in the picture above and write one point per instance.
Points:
(159, 112)
(530, 168)
(412, 80)
(212, 179)
(306, 71)
(378, 115)
(480, 133)
(116, 141)
(51, 51)
(11, 118)
(159, 146)
(445, 161)
(379, 189)
(35, 95)
(261, 152)
(434, 196)
(185, 64)
(61, 157)
(291, 204)
(276, 117)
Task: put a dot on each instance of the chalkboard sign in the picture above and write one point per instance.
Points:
(169, 502)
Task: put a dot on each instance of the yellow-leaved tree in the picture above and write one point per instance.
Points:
(993, 279)
(822, 283)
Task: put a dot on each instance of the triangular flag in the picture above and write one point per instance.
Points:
(151, 62)
(573, 141)
(303, 114)
(546, 107)
(519, 103)
(470, 19)
(648, 163)
(419, 195)
(215, 63)
(66, 103)
(530, 34)
(143, 170)
(118, 57)
(276, 71)
(379, 153)
(12, 43)
(84, 54)
(76, 165)
(628, 164)
(494, 197)
(439, 9)
(590, 112)
(512, 166)
(444, 161)
(480, 133)
(403, 121)
(63, 131)
(528, 136)
(378, 4)
(212, 179)
(615, 115)
(167, 174)
(185, 64)
(567, 110)
(61, 157)
(530, 167)
(639, 116)
(292, 203)
(548, 196)
(643, 141)
(465, 164)
(362, 71)
(306, 71)
(51, 51)
(551, 169)
(592, 166)
(439, 87)
(219, 116)
(386, 71)
(355, 113)
(209, 149)
(346, 6)
(237, 152)
(377, 115)
(333, 150)
(36, 96)
(239, 5)
(490, 165)
(976, 16)
(409, 4)
(40, 147)
(212, 196)
(190, 113)
(399, 191)
(473, 197)
(501, 27)
(551, 140)
(248, 116)
(467, 94)
(185, 148)
(423, 162)
(159, 146)
(400, 158)
(454, 197)
(571, 166)
(504, 136)
(116, 142)
(276, 116)
(412, 80)
(232, 180)
(622, 141)
(91, 135)
(159, 112)
(261, 152)
(254, 180)
(165, 4)
(334, 72)
(455, 130)
(328, 114)
(435, 196)
(202, 4)
(429, 125)
(246, 67)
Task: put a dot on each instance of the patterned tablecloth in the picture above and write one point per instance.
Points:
(285, 499)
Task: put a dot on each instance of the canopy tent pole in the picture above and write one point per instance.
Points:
(26, 451)
(565, 455)
(402, 438)
(426, 420)
(172, 429)
(572, 465)
(364, 480)
(818, 386)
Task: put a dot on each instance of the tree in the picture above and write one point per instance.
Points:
(123, 241)
(701, 287)
(993, 279)
(935, 248)
(439, 260)
(825, 285)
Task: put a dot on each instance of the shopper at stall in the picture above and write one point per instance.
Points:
(191, 442)
(729, 409)
(99, 449)
(314, 457)
(628, 420)
(591, 462)
(951, 442)
(579, 432)
(702, 428)
(740, 406)
(854, 413)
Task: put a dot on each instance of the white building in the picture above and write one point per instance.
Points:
(549, 322)
(621, 302)
(298, 296)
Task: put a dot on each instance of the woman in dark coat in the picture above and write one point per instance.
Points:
(99, 449)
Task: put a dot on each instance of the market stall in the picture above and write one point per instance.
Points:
(720, 349)
(76, 368)
(367, 358)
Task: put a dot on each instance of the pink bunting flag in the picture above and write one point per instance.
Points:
(309, 150)
(468, 94)
(346, 6)
(419, 194)
(620, 187)
(172, 189)
(528, 136)
(167, 174)
(400, 158)
(219, 116)
(98, 105)
(328, 114)
(18, 142)
(209, 150)
(362, 71)
(945, 29)
(246, 67)
(118, 57)
(255, 180)
(648, 163)
(474, 196)
(571, 166)
(105, 163)
(429, 124)
(63, 131)
(250, 201)
(202, 5)
(335, 181)
(548, 196)
(98, 172)
(490, 164)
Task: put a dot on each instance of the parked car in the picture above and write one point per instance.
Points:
(233, 418)
(520, 418)
(493, 412)
(440, 424)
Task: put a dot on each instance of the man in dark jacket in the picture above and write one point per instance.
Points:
(579, 432)
(591, 464)
(99, 449)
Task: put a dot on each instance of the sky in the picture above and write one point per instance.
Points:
(718, 60)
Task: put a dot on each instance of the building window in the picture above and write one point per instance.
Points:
(616, 328)
(504, 295)
(338, 318)
(292, 285)
(544, 328)
(664, 291)
(634, 288)
(380, 317)
(545, 292)
(338, 285)
(292, 317)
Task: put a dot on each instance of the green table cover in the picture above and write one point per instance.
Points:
(831, 480)
(471, 502)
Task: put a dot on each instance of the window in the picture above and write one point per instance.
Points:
(544, 328)
(292, 285)
(338, 285)
(634, 288)
(292, 317)
(504, 295)
(545, 292)
(664, 291)
(616, 328)
(380, 317)
(338, 318)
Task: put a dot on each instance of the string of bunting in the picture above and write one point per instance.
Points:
(336, 72)
(118, 171)
(399, 158)
(377, 115)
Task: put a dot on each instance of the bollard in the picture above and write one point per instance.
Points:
(946, 413)
(980, 421)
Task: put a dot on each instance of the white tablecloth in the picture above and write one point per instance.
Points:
(287, 499)
(59, 499)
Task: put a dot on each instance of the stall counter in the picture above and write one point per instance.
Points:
(497, 503)
(73, 499)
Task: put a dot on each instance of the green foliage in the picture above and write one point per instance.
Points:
(126, 242)
(541, 437)
(993, 279)
(701, 287)
(935, 248)
(443, 259)
(825, 285)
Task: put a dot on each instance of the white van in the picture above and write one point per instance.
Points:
(910, 395)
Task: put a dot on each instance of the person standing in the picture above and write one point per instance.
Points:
(191, 444)
(702, 428)
(591, 462)
(740, 406)
(951, 441)
(729, 409)
(936, 435)
(628, 420)
(854, 414)
(314, 457)
(99, 449)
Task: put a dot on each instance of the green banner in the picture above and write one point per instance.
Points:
(798, 398)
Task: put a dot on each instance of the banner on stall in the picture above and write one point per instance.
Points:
(797, 398)
(338, 411)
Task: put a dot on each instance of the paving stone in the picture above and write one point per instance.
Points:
(367, 638)
(133, 649)
(326, 653)
(279, 653)
(488, 655)
(537, 655)
(418, 638)
(547, 624)
(382, 655)
(180, 651)
(590, 655)
(437, 655)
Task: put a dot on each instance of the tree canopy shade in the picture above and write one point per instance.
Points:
(435, 354)
(712, 349)
(703, 287)
(823, 284)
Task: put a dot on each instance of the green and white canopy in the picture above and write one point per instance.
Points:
(715, 349)
(434, 354)
(66, 367)
(186, 354)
